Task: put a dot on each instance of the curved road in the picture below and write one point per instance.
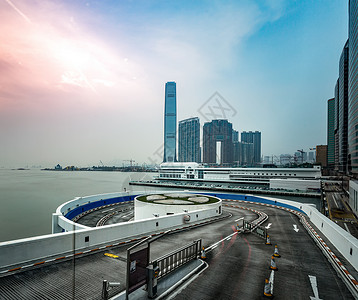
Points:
(237, 266)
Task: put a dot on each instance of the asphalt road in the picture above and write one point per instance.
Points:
(237, 266)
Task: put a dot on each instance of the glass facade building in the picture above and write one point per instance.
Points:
(189, 140)
(336, 125)
(330, 132)
(353, 87)
(170, 122)
(343, 109)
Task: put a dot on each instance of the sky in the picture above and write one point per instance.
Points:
(83, 81)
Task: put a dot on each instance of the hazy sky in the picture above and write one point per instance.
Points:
(83, 81)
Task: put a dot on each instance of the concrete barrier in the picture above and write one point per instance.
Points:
(36, 249)
(29, 250)
(345, 243)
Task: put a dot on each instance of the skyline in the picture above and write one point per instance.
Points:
(83, 82)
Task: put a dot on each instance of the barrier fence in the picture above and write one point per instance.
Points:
(179, 257)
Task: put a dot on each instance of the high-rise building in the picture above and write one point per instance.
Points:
(170, 122)
(336, 126)
(217, 142)
(330, 132)
(189, 140)
(235, 136)
(255, 139)
(247, 154)
(321, 155)
(343, 110)
(353, 87)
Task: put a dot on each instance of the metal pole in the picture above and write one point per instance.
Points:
(105, 290)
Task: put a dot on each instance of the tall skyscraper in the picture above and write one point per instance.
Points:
(170, 122)
(353, 87)
(343, 110)
(330, 132)
(189, 140)
(255, 139)
(217, 142)
(336, 126)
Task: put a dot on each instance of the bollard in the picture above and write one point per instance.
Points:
(276, 254)
(105, 290)
(268, 240)
(267, 289)
(203, 254)
(273, 265)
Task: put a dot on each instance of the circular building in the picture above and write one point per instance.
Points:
(159, 205)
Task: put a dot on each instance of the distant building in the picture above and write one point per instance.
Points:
(243, 154)
(255, 139)
(235, 136)
(311, 157)
(217, 142)
(189, 140)
(247, 154)
(330, 133)
(266, 159)
(170, 123)
(285, 159)
(321, 155)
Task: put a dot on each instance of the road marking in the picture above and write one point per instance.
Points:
(107, 210)
(295, 228)
(211, 247)
(268, 226)
(239, 219)
(313, 281)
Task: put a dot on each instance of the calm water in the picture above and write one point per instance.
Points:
(29, 197)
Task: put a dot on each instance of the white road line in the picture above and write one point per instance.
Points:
(239, 219)
(313, 281)
(217, 243)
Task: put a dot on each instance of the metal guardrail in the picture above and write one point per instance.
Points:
(179, 257)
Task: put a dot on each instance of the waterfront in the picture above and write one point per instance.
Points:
(29, 197)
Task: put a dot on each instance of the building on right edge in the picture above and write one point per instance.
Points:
(353, 87)
(343, 109)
